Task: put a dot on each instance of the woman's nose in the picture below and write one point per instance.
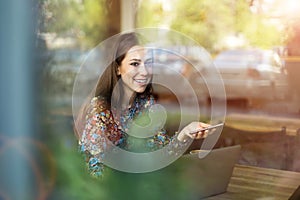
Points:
(143, 70)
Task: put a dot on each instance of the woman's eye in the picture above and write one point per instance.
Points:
(148, 64)
(135, 64)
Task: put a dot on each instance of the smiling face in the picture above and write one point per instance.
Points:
(135, 70)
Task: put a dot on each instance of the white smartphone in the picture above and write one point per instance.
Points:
(207, 128)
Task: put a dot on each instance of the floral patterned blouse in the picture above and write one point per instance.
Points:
(103, 124)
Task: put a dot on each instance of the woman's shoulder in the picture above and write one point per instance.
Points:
(98, 101)
(97, 104)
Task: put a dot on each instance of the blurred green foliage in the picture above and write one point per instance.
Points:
(83, 20)
(209, 22)
(150, 14)
(204, 21)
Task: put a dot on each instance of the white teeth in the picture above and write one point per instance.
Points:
(141, 80)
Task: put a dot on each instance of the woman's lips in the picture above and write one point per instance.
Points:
(141, 81)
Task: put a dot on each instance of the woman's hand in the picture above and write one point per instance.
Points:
(184, 134)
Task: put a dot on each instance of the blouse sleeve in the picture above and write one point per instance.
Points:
(172, 144)
(97, 130)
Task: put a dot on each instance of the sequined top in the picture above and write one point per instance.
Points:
(103, 124)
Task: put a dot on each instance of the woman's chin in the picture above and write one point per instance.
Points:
(140, 89)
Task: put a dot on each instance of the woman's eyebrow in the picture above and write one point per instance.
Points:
(149, 60)
(135, 59)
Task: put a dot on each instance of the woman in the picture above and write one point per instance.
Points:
(123, 94)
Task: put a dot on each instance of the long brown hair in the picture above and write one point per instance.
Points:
(109, 84)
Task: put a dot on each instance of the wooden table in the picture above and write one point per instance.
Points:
(251, 183)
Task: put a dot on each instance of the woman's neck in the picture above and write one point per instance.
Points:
(127, 99)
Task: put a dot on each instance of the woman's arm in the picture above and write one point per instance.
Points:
(98, 129)
(181, 139)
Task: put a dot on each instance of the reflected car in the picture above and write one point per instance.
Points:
(251, 75)
(174, 70)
